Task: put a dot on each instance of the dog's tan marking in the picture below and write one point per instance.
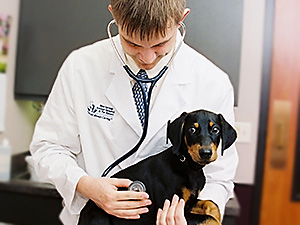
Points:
(196, 125)
(211, 124)
(186, 194)
(193, 150)
(207, 207)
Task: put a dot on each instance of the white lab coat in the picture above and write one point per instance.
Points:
(90, 120)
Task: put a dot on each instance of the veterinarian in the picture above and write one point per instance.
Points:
(91, 119)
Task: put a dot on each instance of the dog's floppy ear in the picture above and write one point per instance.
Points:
(228, 134)
(174, 132)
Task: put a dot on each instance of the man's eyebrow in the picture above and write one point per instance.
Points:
(164, 42)
(132, 43)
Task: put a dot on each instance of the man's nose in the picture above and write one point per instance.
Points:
(147, 56)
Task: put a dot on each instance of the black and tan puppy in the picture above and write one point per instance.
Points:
(195, 138)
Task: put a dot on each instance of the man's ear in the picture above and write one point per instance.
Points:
(111, 12)
(185, 13)
(174, 132)
(228, 135)
(110, 9)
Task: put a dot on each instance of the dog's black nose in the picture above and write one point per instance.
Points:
(205, 153)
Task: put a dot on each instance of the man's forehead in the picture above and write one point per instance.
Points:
(148, 43)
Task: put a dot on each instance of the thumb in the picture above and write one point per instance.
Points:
(121, 182)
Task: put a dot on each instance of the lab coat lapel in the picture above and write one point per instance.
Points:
(168, 103)
(170, 100)
(119, 93)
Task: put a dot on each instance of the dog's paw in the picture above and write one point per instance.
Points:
(210, 222)
(209, 208)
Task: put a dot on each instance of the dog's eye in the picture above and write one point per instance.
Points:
(192, 130)
(215, 130)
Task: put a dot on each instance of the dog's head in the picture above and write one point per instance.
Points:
(197, 135)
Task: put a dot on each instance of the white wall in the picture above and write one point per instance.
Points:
(21, 117)
(250, 85)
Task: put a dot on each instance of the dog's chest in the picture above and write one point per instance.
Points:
(165, 176)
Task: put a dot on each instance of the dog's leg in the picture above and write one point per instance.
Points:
(208, 208)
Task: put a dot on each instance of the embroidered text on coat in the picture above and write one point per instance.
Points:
(101, 111)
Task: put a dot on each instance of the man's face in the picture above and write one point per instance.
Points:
(147, 54)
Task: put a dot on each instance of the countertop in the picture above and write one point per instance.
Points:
(22, 186)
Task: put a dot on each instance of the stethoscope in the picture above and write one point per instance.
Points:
(146, 100)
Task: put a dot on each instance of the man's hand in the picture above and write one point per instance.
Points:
(172, 214)
(104, 192)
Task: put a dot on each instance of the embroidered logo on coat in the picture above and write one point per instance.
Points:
(101, 111)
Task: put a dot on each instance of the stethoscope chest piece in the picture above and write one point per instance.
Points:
(137, 186)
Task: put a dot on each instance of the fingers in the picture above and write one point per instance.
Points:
(129, 213)
(120, 182)
(128, 205)
(162, 214)
(172, 213)
(131, 195)
(159, 216)
(132, 204)
(179, 213)
(127, 195)
(104, 192)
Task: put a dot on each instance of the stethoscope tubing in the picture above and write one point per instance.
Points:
(147, 107)
(146, 99)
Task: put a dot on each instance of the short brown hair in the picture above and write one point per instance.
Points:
(147, 18)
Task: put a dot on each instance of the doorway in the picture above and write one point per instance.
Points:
(279, 118)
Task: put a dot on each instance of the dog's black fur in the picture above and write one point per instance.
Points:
(195, 137)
